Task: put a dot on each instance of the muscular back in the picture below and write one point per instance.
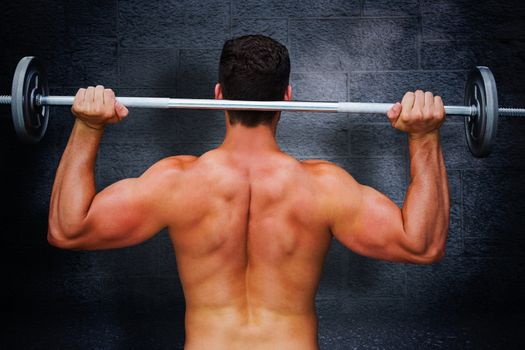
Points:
(250, 242)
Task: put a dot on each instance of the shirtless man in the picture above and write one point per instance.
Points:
(251, 225)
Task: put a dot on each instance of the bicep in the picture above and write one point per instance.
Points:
(369, 223)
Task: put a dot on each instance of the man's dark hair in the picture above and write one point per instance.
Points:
(253, 67)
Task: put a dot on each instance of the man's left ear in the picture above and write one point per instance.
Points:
(218, 92)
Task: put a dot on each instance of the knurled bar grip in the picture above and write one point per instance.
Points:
(184, 103)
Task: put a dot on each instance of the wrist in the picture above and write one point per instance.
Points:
(422, 137)
(85, 126)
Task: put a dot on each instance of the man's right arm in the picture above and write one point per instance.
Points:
(370, 224)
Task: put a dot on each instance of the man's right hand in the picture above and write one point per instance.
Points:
(96, 107)
(418, 114)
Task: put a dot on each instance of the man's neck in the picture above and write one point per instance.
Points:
(240, 138)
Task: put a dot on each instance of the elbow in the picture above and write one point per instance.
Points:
(433, 256)
(60, 237)
(429, 256)
(52, 239)
(426, 255)
(56, 242)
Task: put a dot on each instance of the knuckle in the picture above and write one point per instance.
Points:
(417, 114)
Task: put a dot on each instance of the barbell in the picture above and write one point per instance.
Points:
(30, 103)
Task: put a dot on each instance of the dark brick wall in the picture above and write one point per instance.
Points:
(341, 50)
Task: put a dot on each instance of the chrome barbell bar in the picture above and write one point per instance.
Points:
(292, 106)
(299, 106)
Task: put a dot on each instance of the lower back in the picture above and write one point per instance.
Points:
(233, 328)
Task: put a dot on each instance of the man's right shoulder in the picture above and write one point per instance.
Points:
(170, 164)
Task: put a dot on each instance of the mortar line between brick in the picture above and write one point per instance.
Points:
(188, 48)
(178, 72)
(264, 18)
(383, 71)
(461, 213)
(118, 41)
(288, 40)
(418, 42)
(231, 19)
(351, 17)
(420, 15)
(98, 175)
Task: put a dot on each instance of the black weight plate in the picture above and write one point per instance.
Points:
(481, 92)
(30, 120)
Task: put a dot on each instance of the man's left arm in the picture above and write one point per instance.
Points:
(125, 213)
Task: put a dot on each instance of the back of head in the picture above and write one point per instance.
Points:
(257, 68)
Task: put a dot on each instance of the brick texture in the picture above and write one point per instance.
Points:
(356, 50)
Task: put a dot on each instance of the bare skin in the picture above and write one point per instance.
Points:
(250, 225)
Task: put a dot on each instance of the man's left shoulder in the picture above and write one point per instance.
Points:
(319, 166)
(182, 161)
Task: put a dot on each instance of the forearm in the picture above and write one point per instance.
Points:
(74, 187)
(426, 208)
